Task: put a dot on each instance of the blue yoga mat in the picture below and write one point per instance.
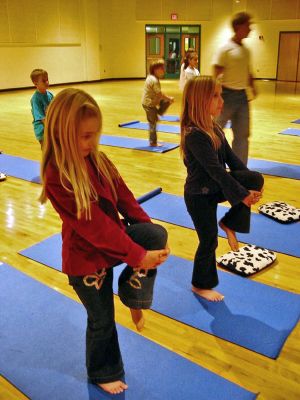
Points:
(291, 131)
(144, 126)
(255, 316)
(274, 168)
(170, 118)
(21, 168)
(297, 121)
(42, 352)
(135, 144)
(29, 170)
(264, 232)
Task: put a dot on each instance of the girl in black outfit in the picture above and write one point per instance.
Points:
(206, 153)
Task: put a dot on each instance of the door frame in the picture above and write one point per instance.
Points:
(198, 39)
(298, 66)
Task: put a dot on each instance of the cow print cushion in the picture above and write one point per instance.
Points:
(280, 211)
(247, 260)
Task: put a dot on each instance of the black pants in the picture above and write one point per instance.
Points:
(203, 211)
(103, 358)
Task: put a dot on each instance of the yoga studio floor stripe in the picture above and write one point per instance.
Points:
(255, 316)
(42, 352)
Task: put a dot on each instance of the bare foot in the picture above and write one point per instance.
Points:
(231, 237)
(113, 387)
(208, 294)
(156, 145)
(137, 318)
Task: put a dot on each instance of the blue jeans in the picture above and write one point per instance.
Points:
(236, 109)
(103, 357)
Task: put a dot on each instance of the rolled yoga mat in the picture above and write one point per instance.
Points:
(255, 316)
(43, 352)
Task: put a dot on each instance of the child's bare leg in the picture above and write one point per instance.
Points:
(113, 387)
(208, 294)
(138, 318)
(231, 237)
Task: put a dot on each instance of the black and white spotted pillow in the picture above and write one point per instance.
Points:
(247, 260)
(280, 211)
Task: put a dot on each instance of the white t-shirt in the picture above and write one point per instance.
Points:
(152, 91)
(186, 74)
(235, 59)
(182, 77)
(190, 73)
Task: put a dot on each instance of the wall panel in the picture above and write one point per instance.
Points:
(174, 6)
(148, 10)
(4, 26)
(69, 21)
(200, 10)
(286, 9)
(22, 21)
(260, 9)
(48, 29)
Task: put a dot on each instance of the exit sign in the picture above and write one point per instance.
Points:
(174, 17)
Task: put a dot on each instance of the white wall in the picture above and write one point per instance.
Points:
(61, 36)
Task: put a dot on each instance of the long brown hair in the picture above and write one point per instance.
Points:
(197, 96)
(64, 115)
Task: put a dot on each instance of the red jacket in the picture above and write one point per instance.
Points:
(101, 242)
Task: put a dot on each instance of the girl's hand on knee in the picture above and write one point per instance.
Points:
(153, 258)
(252, 198)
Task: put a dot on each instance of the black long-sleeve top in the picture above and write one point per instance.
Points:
(206, 167)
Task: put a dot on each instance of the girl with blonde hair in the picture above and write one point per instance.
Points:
(206, 153)
(88, 193)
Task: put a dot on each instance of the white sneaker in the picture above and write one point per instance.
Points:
(2, 177)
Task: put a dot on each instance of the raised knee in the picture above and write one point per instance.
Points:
(161, 235)
(258, 180)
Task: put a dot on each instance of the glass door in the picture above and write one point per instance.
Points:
(172, 51)
(170, 42)
(155, 44)
(190, 39)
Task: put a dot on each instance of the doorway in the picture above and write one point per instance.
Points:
(170, 42)
(288, 67)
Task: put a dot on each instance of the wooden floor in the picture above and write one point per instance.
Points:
(24, 222)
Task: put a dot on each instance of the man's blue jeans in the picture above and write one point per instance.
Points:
(236, 109)
(103, 357)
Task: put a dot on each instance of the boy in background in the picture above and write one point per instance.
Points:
(40, 101)
(154, 101)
